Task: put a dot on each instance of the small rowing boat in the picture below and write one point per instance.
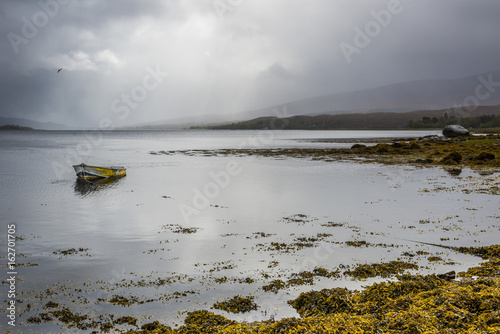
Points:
(92, 172)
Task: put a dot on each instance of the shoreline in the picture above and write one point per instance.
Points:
(480, 153)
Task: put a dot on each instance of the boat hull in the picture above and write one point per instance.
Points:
(89, 172)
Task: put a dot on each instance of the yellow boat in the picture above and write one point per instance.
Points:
(92, 172)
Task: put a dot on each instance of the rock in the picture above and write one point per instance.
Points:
(430, 138)
(450, 275)
(356, 146)
(455, 131)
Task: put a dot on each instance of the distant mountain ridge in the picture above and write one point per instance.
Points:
(480, 89)
(354, 121)
(407, 96)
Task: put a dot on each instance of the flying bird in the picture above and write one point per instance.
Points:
(59, 70)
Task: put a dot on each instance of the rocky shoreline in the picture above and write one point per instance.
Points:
(478, 152)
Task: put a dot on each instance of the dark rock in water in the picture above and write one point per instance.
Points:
(450, 275)
(455, 131)
(454, 171)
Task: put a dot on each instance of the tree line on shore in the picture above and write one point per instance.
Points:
(478, 122)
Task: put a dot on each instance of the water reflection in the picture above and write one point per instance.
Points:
(85, 187)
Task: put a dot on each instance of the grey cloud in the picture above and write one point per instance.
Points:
(262, 53)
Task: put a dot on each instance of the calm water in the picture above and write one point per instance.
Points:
(235, 207)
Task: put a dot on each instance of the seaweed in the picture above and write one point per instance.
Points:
(204, 322)
(333, 224)
(484, 252)
(387, 269)
(70, 251)
(176, 228)
(274, 286)
(484, 156)
(420, 152)
(71, 319)
(51, 304)
(126, 320)
(302, 278)
(453, 158)
(123, 301)
(237, 304)
(489, 268)
(155, 327)
(34, 320)
(411, 304)
(324, 302)
(358, 243)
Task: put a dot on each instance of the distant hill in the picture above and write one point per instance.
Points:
(32, 124)
(14, 127)
(407, 96)
(374, 120)
(395, 98)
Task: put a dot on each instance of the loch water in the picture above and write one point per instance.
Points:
(183, 231)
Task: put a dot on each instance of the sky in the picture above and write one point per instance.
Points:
(126, 62)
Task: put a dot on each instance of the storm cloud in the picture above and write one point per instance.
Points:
(129, 61)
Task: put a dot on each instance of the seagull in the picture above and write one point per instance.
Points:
(59, 70)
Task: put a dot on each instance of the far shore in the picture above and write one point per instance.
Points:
(480, 152)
